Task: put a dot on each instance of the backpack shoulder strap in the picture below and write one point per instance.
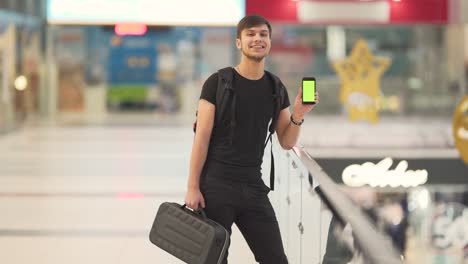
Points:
(278, 94)
(225, 76)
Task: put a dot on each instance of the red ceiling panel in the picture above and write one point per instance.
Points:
(419, 11)
(401, 12)
(274, 10)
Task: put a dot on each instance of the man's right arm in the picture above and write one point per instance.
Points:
(205, 123)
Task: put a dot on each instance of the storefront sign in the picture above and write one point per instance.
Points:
(332, 11)
(132, 60)
(439, 170)
(380, 175)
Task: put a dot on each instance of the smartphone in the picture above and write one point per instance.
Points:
(308, 90)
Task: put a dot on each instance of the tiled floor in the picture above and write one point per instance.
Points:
(89, 194)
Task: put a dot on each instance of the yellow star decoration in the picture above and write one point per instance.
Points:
(360, 75)
(460, 128)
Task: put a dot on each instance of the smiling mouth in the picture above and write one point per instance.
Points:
(257, 47)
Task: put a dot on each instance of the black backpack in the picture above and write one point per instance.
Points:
(226, 97)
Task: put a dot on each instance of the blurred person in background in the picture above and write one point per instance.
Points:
(225, 168)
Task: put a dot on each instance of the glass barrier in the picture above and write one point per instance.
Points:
(437, 224)
(302, 217)
(427, 224)
(311, 232)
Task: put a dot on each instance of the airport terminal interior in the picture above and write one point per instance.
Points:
(98, 100)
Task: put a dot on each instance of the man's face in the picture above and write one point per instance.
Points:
(255, 42)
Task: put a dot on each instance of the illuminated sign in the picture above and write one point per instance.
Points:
(343, 11)
(135, 29)
(150, 12)
(380, 175)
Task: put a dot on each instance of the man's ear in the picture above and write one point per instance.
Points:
(238, 43)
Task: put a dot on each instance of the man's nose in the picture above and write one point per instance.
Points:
(257, 37)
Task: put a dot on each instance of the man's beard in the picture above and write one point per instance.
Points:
(254, 58)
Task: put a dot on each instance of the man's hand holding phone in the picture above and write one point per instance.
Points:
(307, 98)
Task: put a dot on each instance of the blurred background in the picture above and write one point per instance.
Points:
(97, 100)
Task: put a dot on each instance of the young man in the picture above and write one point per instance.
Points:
(225, 166)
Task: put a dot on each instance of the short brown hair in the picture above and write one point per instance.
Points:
(252, 21)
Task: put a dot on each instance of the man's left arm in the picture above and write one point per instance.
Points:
(289, 125)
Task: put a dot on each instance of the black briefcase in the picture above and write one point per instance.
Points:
(189, 235)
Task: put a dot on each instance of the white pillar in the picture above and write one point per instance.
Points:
(52, 74)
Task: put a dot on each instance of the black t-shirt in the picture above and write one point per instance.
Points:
(242, 159)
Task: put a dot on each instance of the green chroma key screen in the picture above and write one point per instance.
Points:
(308, 91)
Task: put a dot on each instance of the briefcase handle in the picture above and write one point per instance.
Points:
(200, 211)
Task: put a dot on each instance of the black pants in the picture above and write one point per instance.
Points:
(247, 205)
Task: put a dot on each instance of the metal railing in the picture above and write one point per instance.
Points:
(320, 223)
